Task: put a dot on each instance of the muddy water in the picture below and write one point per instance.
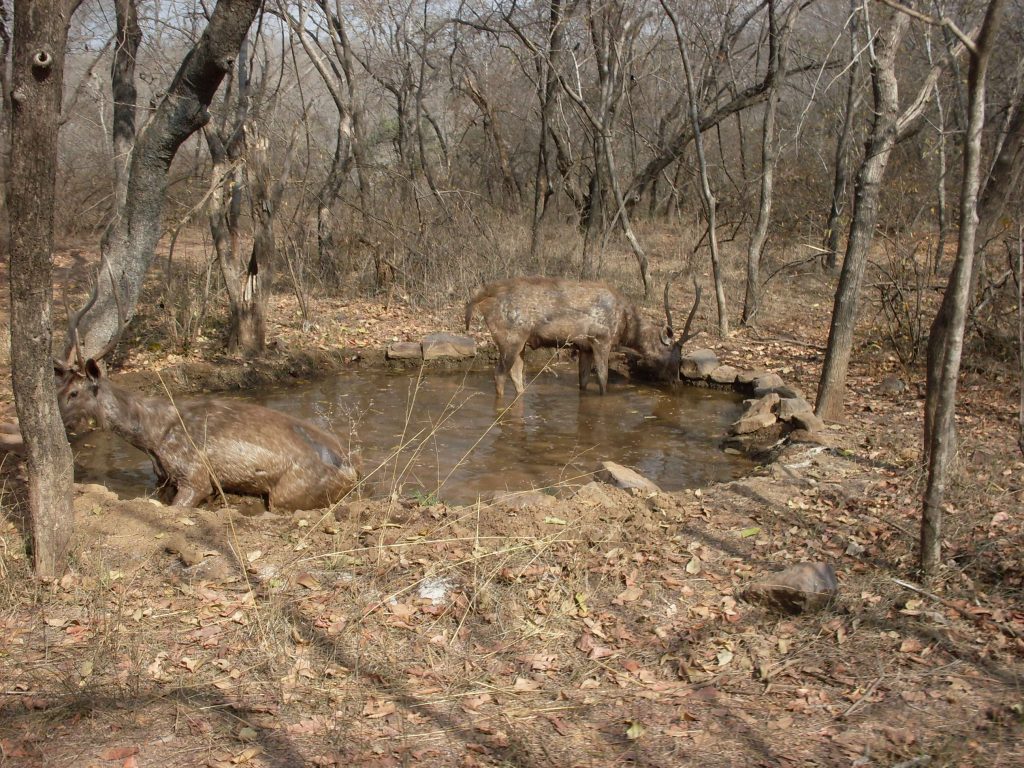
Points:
(445, 434)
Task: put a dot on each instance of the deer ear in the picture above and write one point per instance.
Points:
(59, 369)
(92, 370)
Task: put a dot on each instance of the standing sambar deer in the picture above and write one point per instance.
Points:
(198, 444)
(594, 318)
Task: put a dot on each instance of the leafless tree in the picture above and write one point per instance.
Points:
(778, 40)
(942, 394)
(710, 204)
(844, 139)
(129, 245)
(37, 75)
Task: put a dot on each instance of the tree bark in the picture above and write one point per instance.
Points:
(777, 42)
(832, 389)
(122, 82)
(40, 39)
(842, 160)
(708, 197)
(128, 250)
(942, 442)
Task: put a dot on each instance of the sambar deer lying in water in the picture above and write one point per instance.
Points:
(594, 318)
(199, 443)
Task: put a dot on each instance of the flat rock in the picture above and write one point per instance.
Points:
(782, 390)
(438, 345)
(405, 350)
(624, 477)
(522, 500)
(698, 364)
(593, 494)
(757, 406)
(724, 374)
(802, 588)
(808, 421)
(754, 423)
(767, 381)
(748, 377)
(791, 406)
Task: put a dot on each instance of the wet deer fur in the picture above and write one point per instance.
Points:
(590, 316)
(196, 444)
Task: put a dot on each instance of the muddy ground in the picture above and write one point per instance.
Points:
(597, 629)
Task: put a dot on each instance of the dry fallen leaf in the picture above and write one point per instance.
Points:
(118, 753)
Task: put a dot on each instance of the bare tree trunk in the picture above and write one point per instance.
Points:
(543, 184)
(122, 82)
(5, 115)
(832, 389)
(128, 250)
(510, 183)
(940, 187)
(265, 195)
(1020, 336)
(40, 39)
(777, 42)
(957, 296)
(842, 161)
(705, 186)
(1007, 171)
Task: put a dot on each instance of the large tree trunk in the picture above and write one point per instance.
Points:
(942, 396)
(128, 250)
(40, 38)
(832, 389)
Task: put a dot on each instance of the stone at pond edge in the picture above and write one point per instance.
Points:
(624, 477)
(761, 405)
(522, 500)
(808, 421)
(791, 406)
(593, 495)
(748, 377)
(724, 374)
(754, 423)
(782, 390)
(802, 588)
(767, 381)
(404, 350)
(698, 364)
(438, 345)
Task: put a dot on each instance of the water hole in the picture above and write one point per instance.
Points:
(444, 435)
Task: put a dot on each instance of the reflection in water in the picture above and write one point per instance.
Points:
(445, 433)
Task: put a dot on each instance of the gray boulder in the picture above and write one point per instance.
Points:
(698, 364)
(802, 588)
(404, 350)
(438, 345)
(624, 477)
(724, 374)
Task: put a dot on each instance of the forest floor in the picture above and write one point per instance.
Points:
(594, 629)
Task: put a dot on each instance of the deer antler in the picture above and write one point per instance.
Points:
(693, 311)
(73, 346)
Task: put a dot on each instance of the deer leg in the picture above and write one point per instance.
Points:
(188, 497)
(517, 373)
(601, 355)
(509, 360)
(586, 365)
(193, 489)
